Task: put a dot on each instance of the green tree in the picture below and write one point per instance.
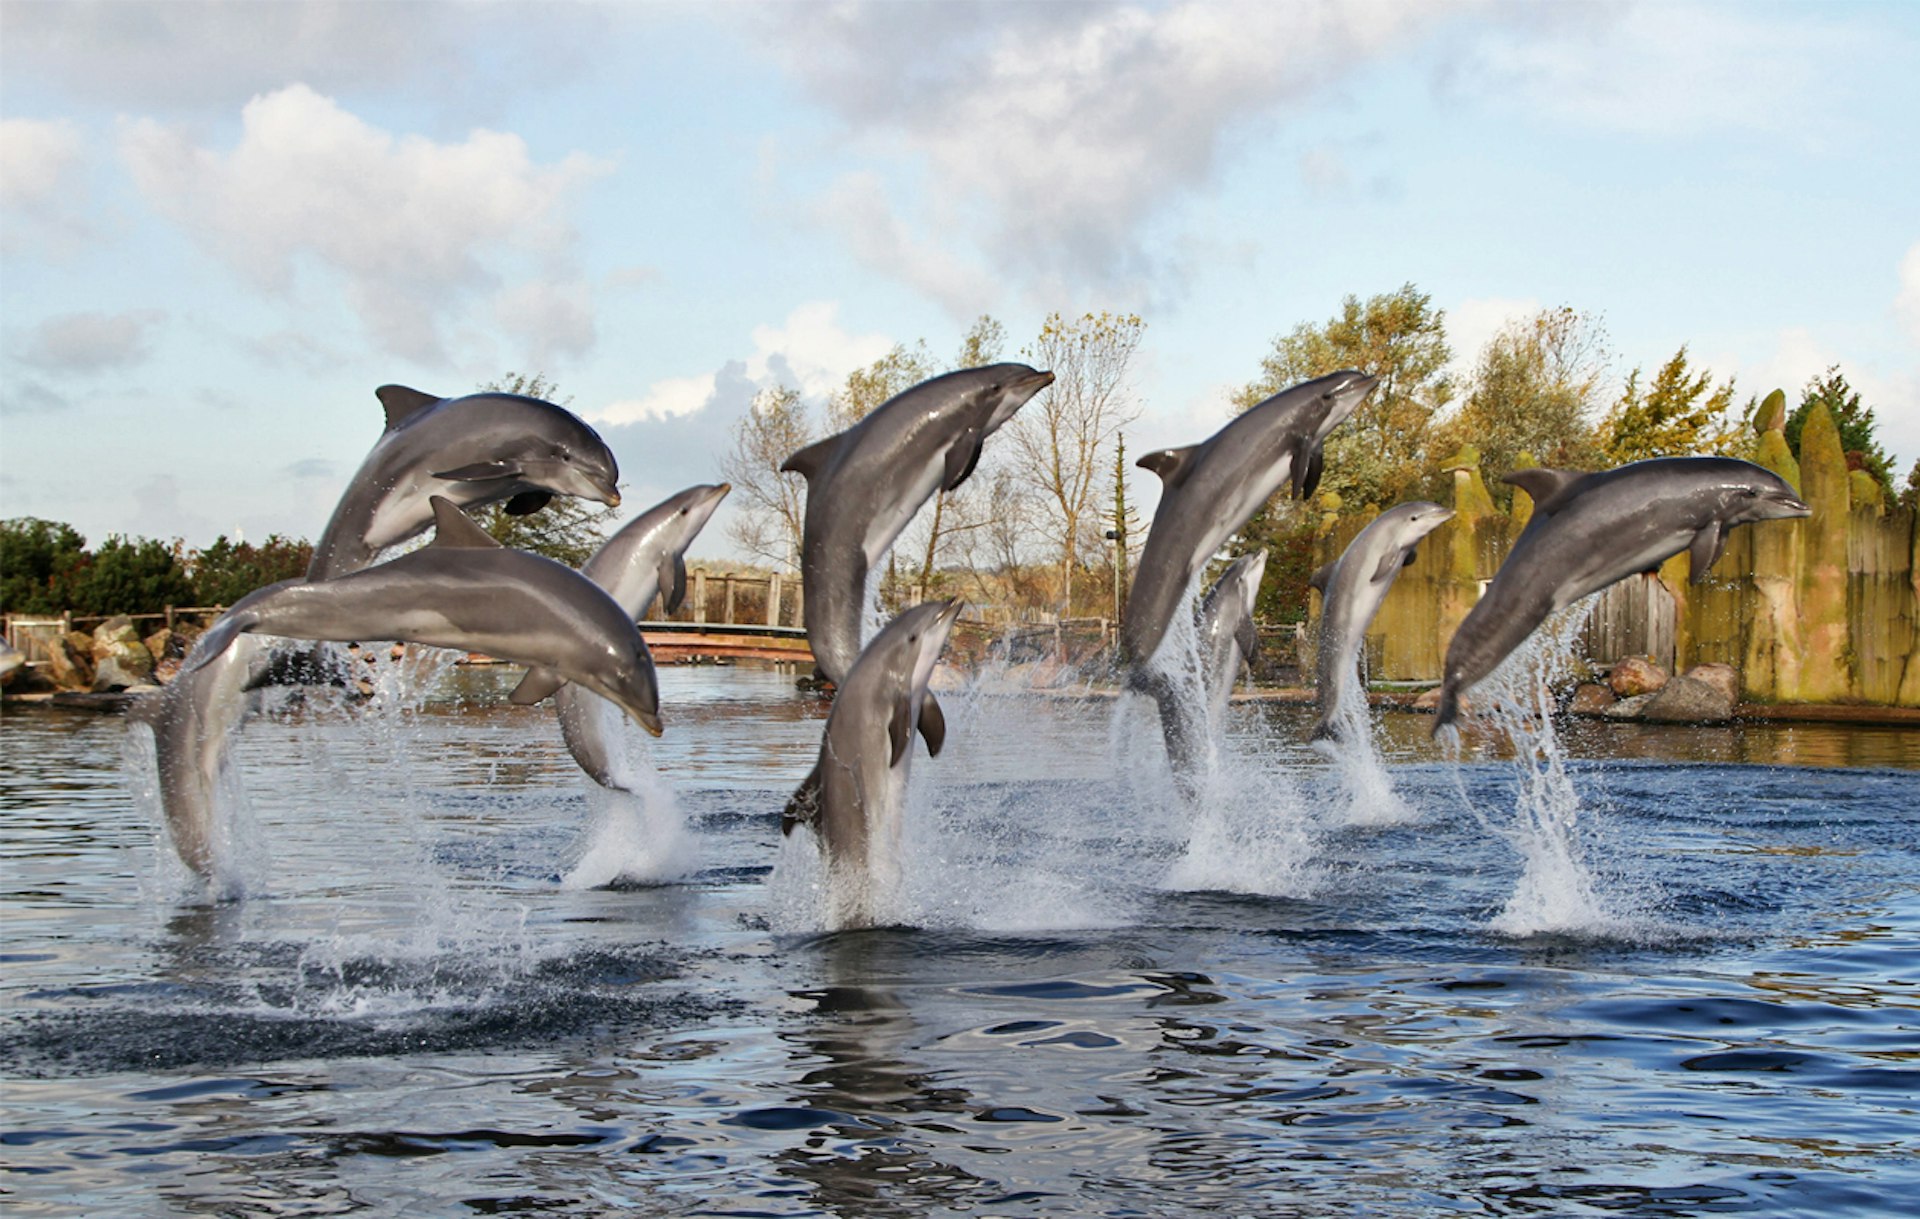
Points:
(866, 388)
(227, 571)
(1677, 415)
(1910, 494)
(1381, 453)
(38, 562)
(1535, 390)
(1855, 421)
(567, 529)
(131, 576)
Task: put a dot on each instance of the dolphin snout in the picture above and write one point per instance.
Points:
(1037, 382)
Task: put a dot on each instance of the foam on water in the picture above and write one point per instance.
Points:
(1363, 789)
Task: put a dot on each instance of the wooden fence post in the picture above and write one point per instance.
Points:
(773, 599)
(729, 594)
(700, 596)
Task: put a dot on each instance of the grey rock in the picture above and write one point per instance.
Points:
(1688, 700)
(1628, 708)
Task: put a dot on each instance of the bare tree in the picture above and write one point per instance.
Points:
(1060, 440)
(771, 506)
(866, 388)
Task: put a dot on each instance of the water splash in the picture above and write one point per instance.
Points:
(633, 837)
(1558, 891)
(1364, 791)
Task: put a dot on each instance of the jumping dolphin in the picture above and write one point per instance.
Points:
(1352, 588)
(865, 484)
(474, 450)
(1227, 642)
(646, 558)
(467, 592)
(1590, 530)
(855, 794)
(1211, 489)
(190, 718)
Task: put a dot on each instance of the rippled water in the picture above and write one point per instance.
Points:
(1110, 1006)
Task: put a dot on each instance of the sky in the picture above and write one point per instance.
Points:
(223, 225)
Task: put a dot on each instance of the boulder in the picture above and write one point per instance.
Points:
(1634, 676)
(161, 644)
(122, 671)
(1628, 708)
(114, 635)
(1591, 698)
(1724, 678)
(166, 670)
(1687, 700)
(68, 666)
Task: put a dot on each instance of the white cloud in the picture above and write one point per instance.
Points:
(1471, 323)
(413, 229)
(809, 351)
(36, 159)
(90, 342)
(1680, 70)
(1051, 134)
(553, 318)
(1906, 305)
(856, 207)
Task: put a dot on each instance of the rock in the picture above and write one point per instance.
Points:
(121, 671)
(113, 635)
(1687, 700)
(82, 642)
(160, 644)
(1634, 676)
(1591, 698)
(1430, 702)
(166, 670)
(1724, 678)
(1628, 708)
(68, 666)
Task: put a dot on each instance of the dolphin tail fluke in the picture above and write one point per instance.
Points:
(220, 637)
(1448, 710)
(804, 806)
(1325, 730)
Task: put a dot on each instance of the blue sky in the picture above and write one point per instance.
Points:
(222, 226)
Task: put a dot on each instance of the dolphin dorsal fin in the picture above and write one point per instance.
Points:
(810, 460)
(1542, 484)
(933, 724)
(1319, 579)
(454, 528)
(402, 403)
(536, 685)
(1170, 464)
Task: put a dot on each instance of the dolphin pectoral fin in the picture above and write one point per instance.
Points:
(536, 685)
(673, 582)
(1306, 477)
(810, 460)
(962, 456)
(1705, 551)
(804, 804)
(1318, 580)
(402, 403)
(900, 730)
(1170, 464)
(933, 724)
(1390, 565)
(1543, 485)
(527, 503)
(479, 472)
(1246, 638)
(454, 528)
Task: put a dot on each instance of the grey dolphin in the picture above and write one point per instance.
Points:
(1352, 588)
(647, 557)
(190, 718)
(855, 794)
(1590, 530)
(1212, 488)
(1227, 642)
(474, 450)
(464, 591)
(865, 484)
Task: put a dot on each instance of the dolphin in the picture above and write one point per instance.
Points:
(865, 484)
(646, 558)
(190, 718)
(1352, 589)
(855, 794)
(1210, 489)
(472, 451)
(1227, 643)
(1590, 530)
(467, 592)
